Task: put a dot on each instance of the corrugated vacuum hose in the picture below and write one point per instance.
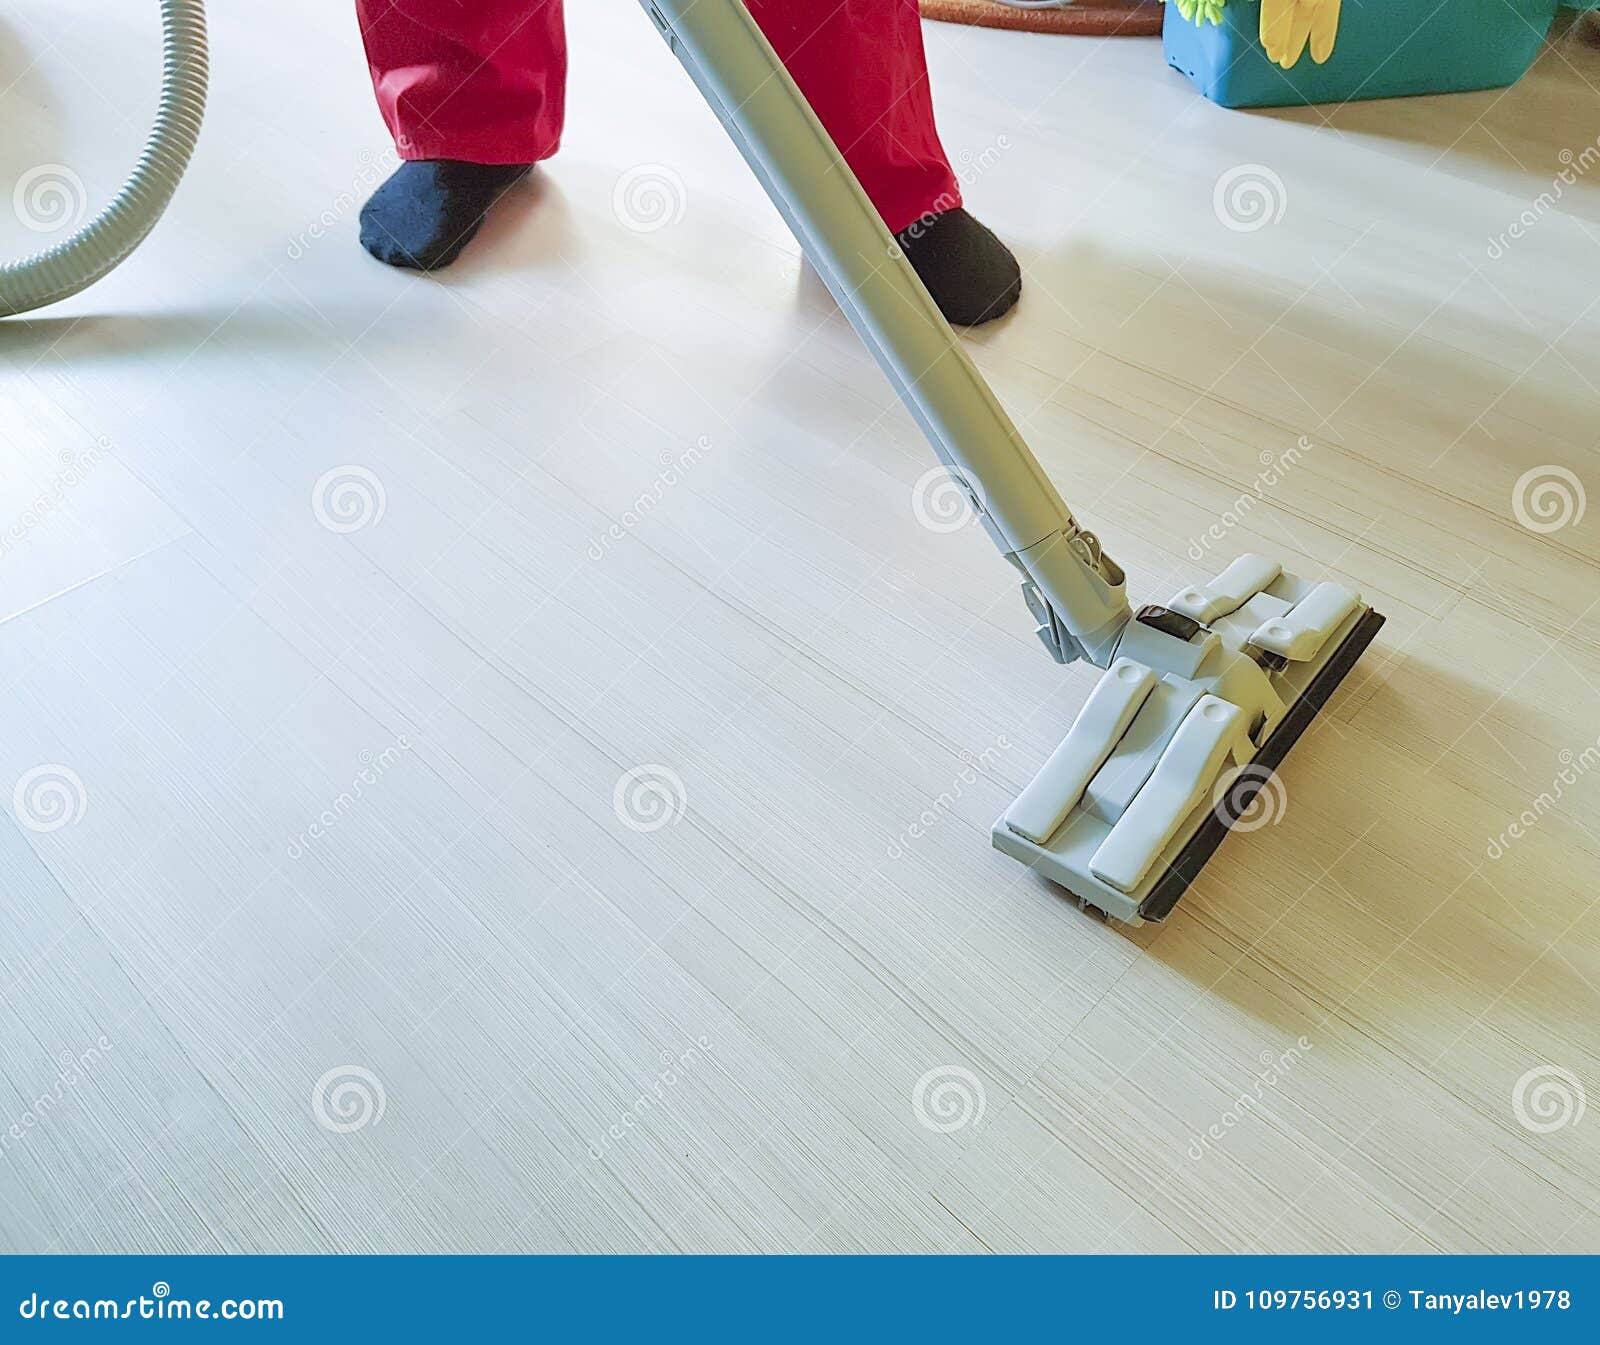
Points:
(104, 242)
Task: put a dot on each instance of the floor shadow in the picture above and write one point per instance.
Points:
(1130, 296)
(531, 226)
(92, 337)
(1378, 890)
(1484, 125)
(815, 301)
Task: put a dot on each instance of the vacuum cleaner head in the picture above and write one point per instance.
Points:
(1200, 699)
(1203, 700)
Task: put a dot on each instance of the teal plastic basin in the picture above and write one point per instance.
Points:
(1387, 49)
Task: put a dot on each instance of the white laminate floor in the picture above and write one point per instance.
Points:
(497, 763)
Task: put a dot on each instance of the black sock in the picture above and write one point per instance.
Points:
(970, 273)
(430, 208)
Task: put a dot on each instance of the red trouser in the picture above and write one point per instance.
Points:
(484, 80)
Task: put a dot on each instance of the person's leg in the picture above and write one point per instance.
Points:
(472, 92)
(861, 65)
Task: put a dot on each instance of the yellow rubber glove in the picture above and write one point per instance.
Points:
(1287, 25)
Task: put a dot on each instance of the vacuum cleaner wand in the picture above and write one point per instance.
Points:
(1074, 590)
(1202, 697)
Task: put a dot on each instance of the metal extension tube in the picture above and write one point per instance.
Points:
(1075, 592)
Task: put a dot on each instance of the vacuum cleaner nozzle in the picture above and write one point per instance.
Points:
(1203, 700)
